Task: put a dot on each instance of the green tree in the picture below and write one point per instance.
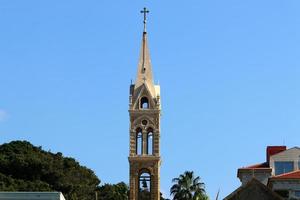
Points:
(188, 187)
(117, 191)
(24, 167)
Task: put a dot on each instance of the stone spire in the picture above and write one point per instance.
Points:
(144, 73)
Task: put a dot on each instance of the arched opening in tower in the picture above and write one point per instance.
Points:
(150, 141)
(139, 142)
(144, 185)
(144, 103)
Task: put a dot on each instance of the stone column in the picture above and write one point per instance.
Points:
(156, 142)
(132, 148)
(132, 194)
(155, 193)
(145, 140)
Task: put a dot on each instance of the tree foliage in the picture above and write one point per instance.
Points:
(117, 191)
(24, 167)
(120, 191)
(188, 187)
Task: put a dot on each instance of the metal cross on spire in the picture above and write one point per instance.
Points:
(145, 12)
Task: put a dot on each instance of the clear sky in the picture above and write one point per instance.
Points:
(229, 74)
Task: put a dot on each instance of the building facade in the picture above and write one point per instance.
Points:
(280, 172)
(287, 184)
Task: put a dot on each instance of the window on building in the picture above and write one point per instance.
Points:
(139, 142)
(283, 167)
(144, 103)
(297, 193)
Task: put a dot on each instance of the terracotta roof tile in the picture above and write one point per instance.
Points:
(264, 165)
(290, 175)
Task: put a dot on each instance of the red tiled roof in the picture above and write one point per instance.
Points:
(290, 175)
(264, 165)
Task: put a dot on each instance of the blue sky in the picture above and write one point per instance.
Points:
(229, 74)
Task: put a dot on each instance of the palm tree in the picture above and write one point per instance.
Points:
(188, 187)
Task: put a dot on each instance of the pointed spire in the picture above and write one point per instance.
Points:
(144, 73)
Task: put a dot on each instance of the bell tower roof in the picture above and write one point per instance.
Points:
(144, 74)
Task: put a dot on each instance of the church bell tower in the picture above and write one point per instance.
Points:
(144, 111)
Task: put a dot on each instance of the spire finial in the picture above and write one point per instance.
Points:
(145, 12)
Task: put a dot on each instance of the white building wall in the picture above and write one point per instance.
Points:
(246, 176)
(292, 154)
(31, 196)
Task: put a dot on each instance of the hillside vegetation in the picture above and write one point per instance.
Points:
(24, 167)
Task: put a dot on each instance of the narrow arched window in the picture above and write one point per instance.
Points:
(150, 142)
(139, 142)
(144, 103)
